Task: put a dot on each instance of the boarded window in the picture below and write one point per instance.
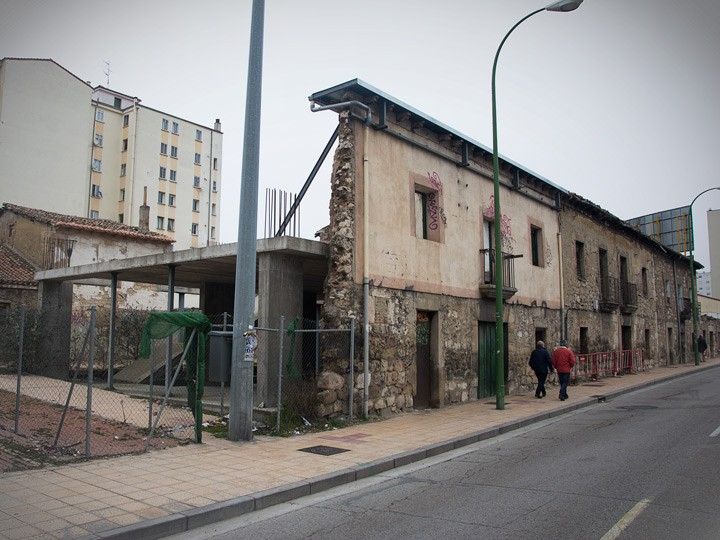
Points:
(421, 225)
(536, 246)
(580, 259)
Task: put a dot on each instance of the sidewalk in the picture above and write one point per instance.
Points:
(169, 491)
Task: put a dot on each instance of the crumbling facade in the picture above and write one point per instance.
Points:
(411, 212)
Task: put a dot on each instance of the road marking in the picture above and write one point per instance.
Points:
(716, 432)
(626, 520)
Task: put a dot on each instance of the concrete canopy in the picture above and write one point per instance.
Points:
(193, 267)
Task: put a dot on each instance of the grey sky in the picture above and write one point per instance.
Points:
(617, 101)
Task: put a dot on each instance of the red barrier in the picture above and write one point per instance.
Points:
(609, 363)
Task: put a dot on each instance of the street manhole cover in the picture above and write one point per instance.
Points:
(322, 450)
(637, 407)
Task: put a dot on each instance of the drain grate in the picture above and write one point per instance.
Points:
(594, 384)
(322, 450)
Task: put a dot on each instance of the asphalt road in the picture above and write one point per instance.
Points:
(642, 466)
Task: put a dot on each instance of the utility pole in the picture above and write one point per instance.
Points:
(241, 383)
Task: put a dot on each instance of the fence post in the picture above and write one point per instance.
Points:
(351, 386)
(91, 357)
(280, 370)
(150, 390)
(21, 343)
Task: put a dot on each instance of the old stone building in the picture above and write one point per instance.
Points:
(410, 237)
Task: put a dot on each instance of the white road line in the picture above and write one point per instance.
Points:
(716, 432)
(626, 520)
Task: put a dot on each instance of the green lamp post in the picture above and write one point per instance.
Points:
(693, 281)
(561, 6)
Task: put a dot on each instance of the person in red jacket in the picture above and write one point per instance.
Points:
(563, 361)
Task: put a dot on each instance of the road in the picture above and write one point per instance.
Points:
(645, 465)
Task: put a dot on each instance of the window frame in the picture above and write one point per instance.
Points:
(163, 149)
(173, 175)
(196, 205)
(198, 135)
(160, 224)
(161, 197)
(198, 158)
(171, 199)
(537, 245)
(175, 128)
(96, 165)
(194, 229)
(171, 225)
(165, 124)
(174, 152)
(580, 270)
(126, 120)
(163, 173)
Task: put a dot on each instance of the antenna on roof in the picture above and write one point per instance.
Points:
(107, 72)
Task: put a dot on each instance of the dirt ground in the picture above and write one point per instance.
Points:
(32, 446)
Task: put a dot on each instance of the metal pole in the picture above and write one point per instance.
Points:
(21, 344)
(241, 384)
(151, 388)
(91, 358)
(222, 378)
(352, 367)
(499, 338)
(111, 334)
(170, 305)
(280, 373)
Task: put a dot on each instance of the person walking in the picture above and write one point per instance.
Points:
(541, 364)
(563, 361)
(702, 346)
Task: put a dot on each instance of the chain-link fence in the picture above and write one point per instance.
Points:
(288, 360)
(55, 413)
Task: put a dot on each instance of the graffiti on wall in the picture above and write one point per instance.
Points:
(435, 212)
(508, 242)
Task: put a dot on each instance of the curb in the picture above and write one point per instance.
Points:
(206, 515)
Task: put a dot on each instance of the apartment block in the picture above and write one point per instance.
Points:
(90, 151)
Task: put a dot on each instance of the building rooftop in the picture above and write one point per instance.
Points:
(14, 269)
(101, 226)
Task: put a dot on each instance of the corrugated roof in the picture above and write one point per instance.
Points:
(14, 269)
(334, 94)
(101, 226)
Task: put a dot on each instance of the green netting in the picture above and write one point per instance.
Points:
(161, 324)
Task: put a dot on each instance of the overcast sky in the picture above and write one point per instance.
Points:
(617, 101)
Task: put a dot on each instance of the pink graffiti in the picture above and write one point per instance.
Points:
(505, 224)
(434, 179)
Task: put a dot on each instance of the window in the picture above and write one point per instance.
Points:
(117, 103)
(175, 128)
(580, 259)
(668, 290)
(215, 163)
(98, 139)
(421, 225)
(122, 194)
(197, 159)
(196, 181)
(173, 176)
(171, 199)
(584, 340)
(171, 224)
(647, 343)
(161, 197)
(212, 233)
(198, 135)
(160, 223)
(97, 165)
(214, 187)
(95, 191)
(126, 120)
(173, 151)
(644, 279)
(196, 205)
(121, 218)
(124, 145)
(165, 124)
(163, 148)
(163, 173)
(194, 229)
(99, 115)
(536, 246)
(212, 209)
(94, 214)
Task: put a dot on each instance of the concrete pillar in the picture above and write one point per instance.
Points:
(280, 292)
(55, 304)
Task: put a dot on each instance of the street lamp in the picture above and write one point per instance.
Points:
(693, 279)
(561, 6)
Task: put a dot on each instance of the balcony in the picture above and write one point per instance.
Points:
(609, 294)
(629, 297)
(685, 309)
(487, 271)
(57, 252)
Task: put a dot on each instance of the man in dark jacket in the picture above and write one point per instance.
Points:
(541, 365)
(563, 361)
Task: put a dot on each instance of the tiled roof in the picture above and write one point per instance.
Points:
(14, 270)
(102, 226)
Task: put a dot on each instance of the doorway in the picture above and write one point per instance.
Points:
(486, 364)
(584, 340)
(423, 357)
(626, 345)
